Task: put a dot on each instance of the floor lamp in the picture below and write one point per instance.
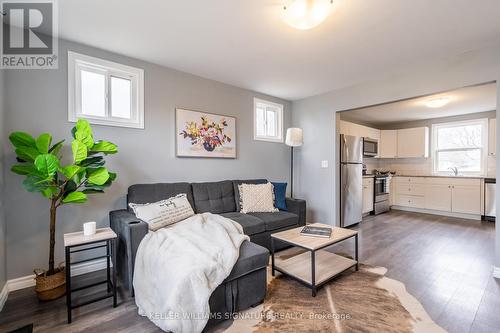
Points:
(294, 138)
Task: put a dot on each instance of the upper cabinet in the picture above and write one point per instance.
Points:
(413, 142)
(349, 128)
(403, 143)
(388, 147)
(492, 147)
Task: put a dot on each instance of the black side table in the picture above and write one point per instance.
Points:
(103, 238)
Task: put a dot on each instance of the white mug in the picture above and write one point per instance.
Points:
(89, 228)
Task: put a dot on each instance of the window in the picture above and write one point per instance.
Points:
(268, 121)
(105, 92)
(462, 145)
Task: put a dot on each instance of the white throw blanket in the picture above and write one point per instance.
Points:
(178, 267)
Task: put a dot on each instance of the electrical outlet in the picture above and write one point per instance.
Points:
(324, 164)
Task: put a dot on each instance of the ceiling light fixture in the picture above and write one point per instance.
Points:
(306, 14)
(438, 102)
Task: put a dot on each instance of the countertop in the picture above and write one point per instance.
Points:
(442, 176)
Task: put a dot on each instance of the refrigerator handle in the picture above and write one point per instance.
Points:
(346, 149)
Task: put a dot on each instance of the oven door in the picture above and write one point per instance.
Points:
(370, 147)
(381, 188)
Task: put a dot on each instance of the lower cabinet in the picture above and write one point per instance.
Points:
(368, 193)
(438, 197)
(466, 199)
(439, 193)
(410, 201)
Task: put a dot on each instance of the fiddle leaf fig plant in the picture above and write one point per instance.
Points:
(40, 162)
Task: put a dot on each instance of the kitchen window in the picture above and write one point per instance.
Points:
(462, 145)
(105, 92)
(268, 121)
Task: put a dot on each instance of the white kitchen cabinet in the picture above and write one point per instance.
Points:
(368, 194)
(492, 141)
(438, 197)
(388, 147)
(353, 129)
(410, 201)
(392, 192)
(445, 194)
(410, 192)
(413, 142)
(466, 199)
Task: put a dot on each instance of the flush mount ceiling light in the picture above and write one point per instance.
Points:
(438, 102)
(306, 14)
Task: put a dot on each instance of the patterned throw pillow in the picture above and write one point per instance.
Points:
(256, 198)
(165, 212)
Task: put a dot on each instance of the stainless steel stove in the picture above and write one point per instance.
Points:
(382, 192)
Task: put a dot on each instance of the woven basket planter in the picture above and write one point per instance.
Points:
(50, 287)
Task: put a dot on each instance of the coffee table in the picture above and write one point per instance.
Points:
(316, 266)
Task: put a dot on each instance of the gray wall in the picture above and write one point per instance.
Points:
(2, 206)
(316, 116)
(37, 102)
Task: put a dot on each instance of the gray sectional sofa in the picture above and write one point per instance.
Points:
(246, 284)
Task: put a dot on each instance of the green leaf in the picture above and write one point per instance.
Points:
(43, 143)
(47, 164)
(50, 192)
(79, 151)
(112, 176)
(83, 133)
(21, 169)
(27, 154)
(75, 197)
(70, 171)
(93, 162)
(99, 176)
(105, 147)
(95, 187)
(56, 148)
(92, 191)
(35, 184)
(70, 187)
(22, 139)
(80, 175)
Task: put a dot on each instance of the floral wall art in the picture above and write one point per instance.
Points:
(202, 134)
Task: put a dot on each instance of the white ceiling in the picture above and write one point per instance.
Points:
(462, 101)
(245, 43)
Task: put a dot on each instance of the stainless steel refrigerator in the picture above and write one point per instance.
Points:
(351, 180)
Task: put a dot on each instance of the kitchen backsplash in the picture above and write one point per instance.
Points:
(415, 166)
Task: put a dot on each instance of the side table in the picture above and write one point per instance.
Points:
(73, 243)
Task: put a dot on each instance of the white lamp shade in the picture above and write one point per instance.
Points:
(294, 137)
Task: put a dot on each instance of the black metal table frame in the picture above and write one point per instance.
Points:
(110, 245)
(313, 286)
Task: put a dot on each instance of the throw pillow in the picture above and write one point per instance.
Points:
(256, 198)
(280, 195)
(236, 183)
(165, 212)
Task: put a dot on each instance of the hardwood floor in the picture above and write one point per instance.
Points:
(445, 262)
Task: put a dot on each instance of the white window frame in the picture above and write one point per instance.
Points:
(77, 62)
(279, 119)
(484, 149)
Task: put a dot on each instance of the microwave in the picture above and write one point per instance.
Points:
(370, 147)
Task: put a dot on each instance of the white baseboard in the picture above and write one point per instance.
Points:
(3, 295)
(79, 269)
(496, 272)
(437, 212)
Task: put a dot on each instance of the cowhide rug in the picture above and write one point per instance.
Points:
(363, 301)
